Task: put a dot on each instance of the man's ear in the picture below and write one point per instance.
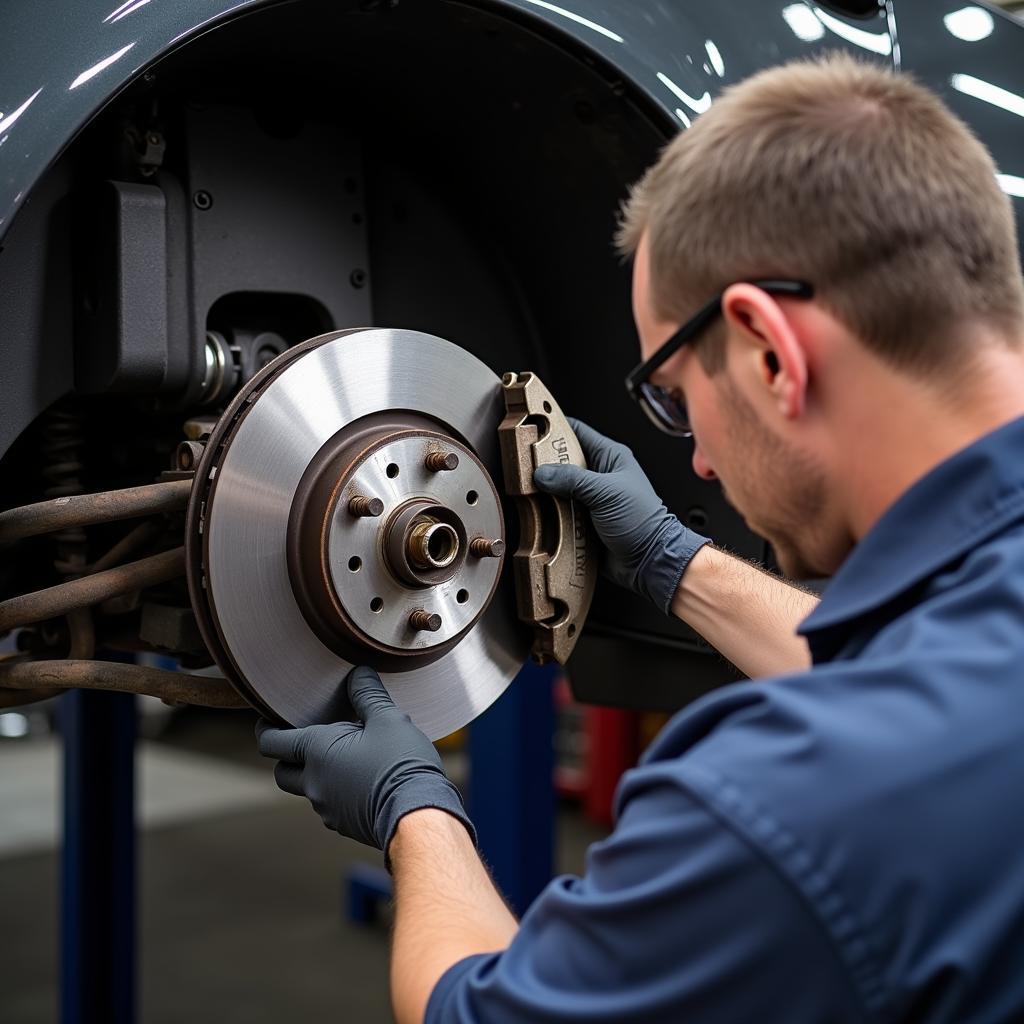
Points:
(771, 353)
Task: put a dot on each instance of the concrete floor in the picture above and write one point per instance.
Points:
(240, 891)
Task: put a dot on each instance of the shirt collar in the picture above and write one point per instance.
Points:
(961, 502)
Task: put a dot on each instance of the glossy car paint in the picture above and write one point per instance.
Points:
(60, 70)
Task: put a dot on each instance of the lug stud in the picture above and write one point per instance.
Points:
(440, 462)
(361, 505)
(424, 620)
(481, 547)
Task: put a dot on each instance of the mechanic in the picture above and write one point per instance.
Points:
(840, 839)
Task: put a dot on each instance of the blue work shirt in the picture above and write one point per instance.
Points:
(840, 844)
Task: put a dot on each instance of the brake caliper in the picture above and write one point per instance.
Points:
(555, 566)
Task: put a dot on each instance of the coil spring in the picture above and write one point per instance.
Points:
(61, 441)
(60, 447)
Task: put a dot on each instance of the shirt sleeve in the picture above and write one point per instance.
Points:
(677, 918)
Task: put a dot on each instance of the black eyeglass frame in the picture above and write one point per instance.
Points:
(651, 396)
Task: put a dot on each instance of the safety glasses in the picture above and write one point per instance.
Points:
(664, 406)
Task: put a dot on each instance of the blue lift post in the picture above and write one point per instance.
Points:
(511, 785)
(98, 916)
(511, 797)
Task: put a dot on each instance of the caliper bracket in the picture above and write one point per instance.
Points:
(555, 566)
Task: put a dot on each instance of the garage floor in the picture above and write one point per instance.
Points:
(240, 915)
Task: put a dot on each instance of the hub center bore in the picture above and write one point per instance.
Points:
(432, 545)
(425, 543)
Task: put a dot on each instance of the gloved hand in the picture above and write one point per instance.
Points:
(648, 548)
(361, 777)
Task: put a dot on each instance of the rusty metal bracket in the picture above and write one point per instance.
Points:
(24, 681)
(555, 566)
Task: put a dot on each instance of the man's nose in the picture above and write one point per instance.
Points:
(701, 466)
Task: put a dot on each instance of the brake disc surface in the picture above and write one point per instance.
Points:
(345, 511)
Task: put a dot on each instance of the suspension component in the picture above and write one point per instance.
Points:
(89, 590)
(23, 682)
(62, 466)
(89, 509)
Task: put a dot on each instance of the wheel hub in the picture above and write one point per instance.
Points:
(381, 543)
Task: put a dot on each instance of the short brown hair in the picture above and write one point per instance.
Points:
(853, 178)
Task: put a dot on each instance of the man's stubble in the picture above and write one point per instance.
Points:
(780, 491)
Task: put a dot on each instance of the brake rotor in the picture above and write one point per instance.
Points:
(345, 511)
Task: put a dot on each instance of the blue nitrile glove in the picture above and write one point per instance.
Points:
(648, 548)
(361, 777)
